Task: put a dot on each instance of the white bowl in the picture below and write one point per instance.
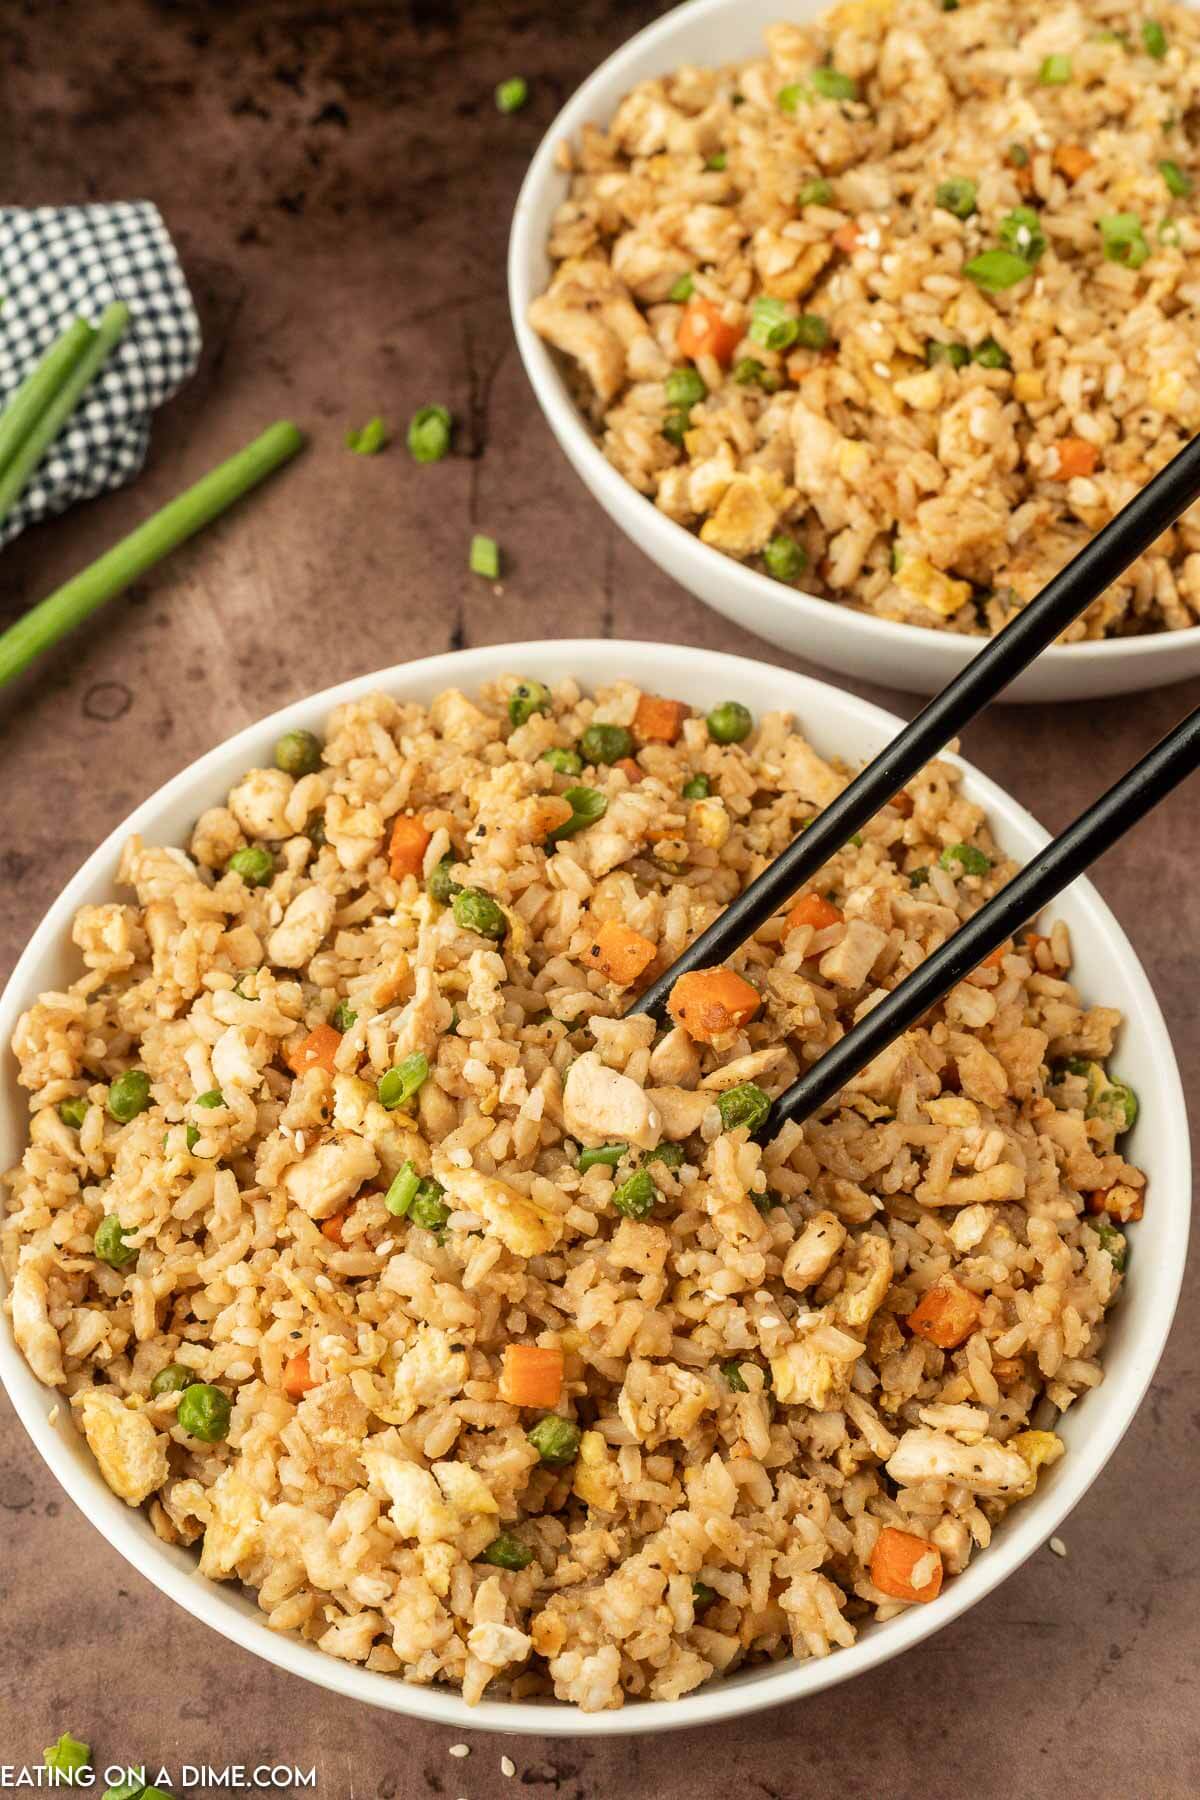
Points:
(836, 723)
(895, 655)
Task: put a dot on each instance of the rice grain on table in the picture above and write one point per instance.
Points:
(791, 1387)
(911, 440)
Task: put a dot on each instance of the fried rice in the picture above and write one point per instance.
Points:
(342, 1136)
(778, 288)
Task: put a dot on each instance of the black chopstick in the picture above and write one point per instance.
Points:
(1018, 902)
(1151, 512)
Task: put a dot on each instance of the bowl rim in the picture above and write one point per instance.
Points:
(230, 1612)
(525, 248)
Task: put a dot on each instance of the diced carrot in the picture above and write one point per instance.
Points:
(998, 955)
(903, 803)
(659, 721)
(532, 1375)
(331, 1228)
(946, 1315)
(1007, 1369)
(810, 909)
(621, 952)
(1073, 160)
(316, 1051)
(709, 1003)
(1075, 457)
(406, 851)
(846, 237)
(898, 1557)
(298, 1376)
(628, 768)
(1125, 1204)
(705, 331)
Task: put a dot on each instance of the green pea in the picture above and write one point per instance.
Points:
(669, 1155)
(785, 558)
(429, 434)
(211, 1100)
(255, 865)
(476, 911)
(428, 1209)
(1113, 1243)
(698, 788)
(73, 1112)
(635, 1198)
(344, 1016)
(441, 885)
(957, 196)
(402, 1082)
(675, 425)
(555, 1439)
(402, 1192)
(204, 1412)
(831, 84)
(129, 1095)
(964, 859)
(607, 1155)
(682, 289)
(732, 1373)
(1117, 1105)
(587, 805)
(527, 698)
(745, 1104)
(601, 744)
(173, 1379)
(749, 372)
(991, 355)
(817, 192)
(685, 387)
(563, 762)
(956, 356)
(298, 753)
(109, 1242)
(507, 1552)
(314, 831)
(1021, 231)
(702, 1596)
(730, 723)
(812, 331)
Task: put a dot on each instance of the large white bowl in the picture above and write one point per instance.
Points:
(896, 655)
(836, 723)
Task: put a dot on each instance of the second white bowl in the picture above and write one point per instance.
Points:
(900, 656)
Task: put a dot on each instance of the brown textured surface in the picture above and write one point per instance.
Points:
(339, 183)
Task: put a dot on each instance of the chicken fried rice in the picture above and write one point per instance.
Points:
(464, 1319)
(903, 311)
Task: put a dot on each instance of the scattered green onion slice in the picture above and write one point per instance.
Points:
(995, 270)
(484, 557)
(964, 859)
(831, 84)
(1021, 231)
(817, 192)
(1055, 71)
(402, 1191)
(1122, 239)
(587, 805)
(512, 94)
(749, 372)
(368, 441)
(344, 1016)
(429, 432)
(685, 387)
(606, 1155)
(1154, 39)
(991, 355)
(1178, 181)
(812, 331)
(956, 195)
(955, 356)
(402, 1082)
(745, 1104)
(635, 1198)
(785, 558)
(682, 289)
(771, 324)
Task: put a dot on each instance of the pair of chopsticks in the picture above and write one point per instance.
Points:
(1151, 512)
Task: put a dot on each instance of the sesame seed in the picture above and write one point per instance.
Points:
(460, 1749)
(881, 369)
(1058, 1547)
(507, 1766)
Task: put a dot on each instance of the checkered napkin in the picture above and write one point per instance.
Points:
(58, 264)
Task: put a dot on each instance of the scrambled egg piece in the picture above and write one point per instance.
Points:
(417, 1508)
(132, 1455)
(596, 1479)
(429, 1371)
(466, 1492)
(1037, 1449)
(815, 1370)
(748, 512)
(522, 1227)
(930, 588)
(234, 1527)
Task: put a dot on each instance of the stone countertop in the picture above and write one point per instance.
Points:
(339, 184)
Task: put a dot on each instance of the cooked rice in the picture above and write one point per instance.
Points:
(359, 1513)
(939, 496)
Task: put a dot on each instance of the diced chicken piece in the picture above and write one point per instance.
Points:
(600, 1106)
(323, 1180)
(521, 1225)
(813, 1251)
(302, 930)
(747, 514)
(497, 1645)
(848, 963)
(259, 803)
(675, 1062)
(989, 1468)
(1004, 1181)
(462, 722)
(36, 1337)
(131, 1454)
(588, 314)
(235, 1062)
(810, 775)
(416, 1505)
(680, 1109)
(745, 1068)
(868, 1279)
(983, 1076)
(963, 533)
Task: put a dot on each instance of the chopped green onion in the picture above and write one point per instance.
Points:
(1178, 181)
(484, 557)
(512, 94)
(831, 84)
(372, 438)
(1055, 71)
(402, 1191)
(555, 1439)
(344, 1016)
(817, 192)
(784, 557)
(685, 387)
(428, 1209)
(635, 1198)
(703, 1595)
(1112, 1243)
(1021, 230)
(771, 324)
(669, 1155)
(918, 877)
(955, 356)
(732, 1372)
(749, 372)
(995, 270)
(587, 805)
(717, 163)
(402, 1082)
(1154, 39)
(429, 434)
(1122, 239)
(682, 289)
(788, 98)
(607, 1155)
(968, 859)
(956, 195)
(812, 331)
(1018, 156)
(745, 1104)
(476, 911)
(991, 355)
(212, 1099)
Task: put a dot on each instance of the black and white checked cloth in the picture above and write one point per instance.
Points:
(58, 264)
